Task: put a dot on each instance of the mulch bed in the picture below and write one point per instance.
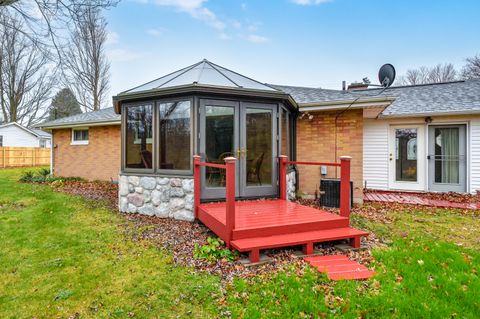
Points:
(449, 196)
(104, 192)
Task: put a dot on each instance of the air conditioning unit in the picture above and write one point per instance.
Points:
(330, 192)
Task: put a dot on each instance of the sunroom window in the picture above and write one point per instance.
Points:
(174, 146)
(138, 139)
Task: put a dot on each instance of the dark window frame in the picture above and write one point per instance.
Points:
(1, 140)
(124, 138)
(156, 134)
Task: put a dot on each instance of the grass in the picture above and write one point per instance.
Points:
(62, 256)
(428, 270)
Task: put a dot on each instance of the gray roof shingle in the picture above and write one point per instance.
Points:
(438, 98)
(102, 115)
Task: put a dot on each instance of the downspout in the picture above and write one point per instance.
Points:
(51, 155)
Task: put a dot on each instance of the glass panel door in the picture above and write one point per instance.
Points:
(407, 157)
(447, 167)
(258, 146)
(218, 139)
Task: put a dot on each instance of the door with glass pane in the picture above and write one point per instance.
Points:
(447, 158)
(219, 138)
(406, 157)
(258, 149)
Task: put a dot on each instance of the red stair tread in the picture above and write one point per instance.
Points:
(342, 268)
(332, 263)
(364, 274)
(325, 258)
(292, 239)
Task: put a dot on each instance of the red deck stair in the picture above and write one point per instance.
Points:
(339, 267)
(250, 226)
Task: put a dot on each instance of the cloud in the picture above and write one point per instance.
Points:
(196, 9)
(124, 55)
(112, 38)
(309, 2)
(224, 36)
(155, 32)
(255, 38)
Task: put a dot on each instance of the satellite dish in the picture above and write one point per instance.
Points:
(386, 75)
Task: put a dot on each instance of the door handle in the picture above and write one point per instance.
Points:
(243, 152)
(239, 153)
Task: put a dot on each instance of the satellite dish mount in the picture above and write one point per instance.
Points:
(386, 75)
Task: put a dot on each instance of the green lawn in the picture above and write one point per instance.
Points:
(62, 256)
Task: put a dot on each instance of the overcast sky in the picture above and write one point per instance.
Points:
(314, 43)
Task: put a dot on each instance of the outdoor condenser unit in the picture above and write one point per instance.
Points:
(330, 192)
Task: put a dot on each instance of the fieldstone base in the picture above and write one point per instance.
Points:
(291, 181)
(156, 196)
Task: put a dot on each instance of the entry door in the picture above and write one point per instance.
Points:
(258, 152)
(406, 157)
(246, 131)
(447, 158)
(219, 138)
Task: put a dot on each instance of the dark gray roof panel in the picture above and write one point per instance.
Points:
(202, 73)
(440, 98)
(103, 115)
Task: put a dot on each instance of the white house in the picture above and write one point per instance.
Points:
(14, 134)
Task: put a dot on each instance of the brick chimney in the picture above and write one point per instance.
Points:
(357, 86)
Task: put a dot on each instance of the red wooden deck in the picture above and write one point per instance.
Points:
(263, 224)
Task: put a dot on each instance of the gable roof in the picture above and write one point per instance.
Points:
(105, 116)
(36, 132)
(458, 97)
(203, 73)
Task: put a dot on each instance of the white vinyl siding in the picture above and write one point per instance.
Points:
(18, 137)
(375, 154)
(474, 153)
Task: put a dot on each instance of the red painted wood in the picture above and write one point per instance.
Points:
(230, 198)
(212, 223)
(273, 217)
(296, 239)
(308, 248)
(339, 267)
(212, 165)
(345, 186)
(254, 256)
(282, 176)
(313, 163)
(196, 184)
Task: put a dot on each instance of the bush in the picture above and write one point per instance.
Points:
(44, 172)
(27, 176)
(214, 250)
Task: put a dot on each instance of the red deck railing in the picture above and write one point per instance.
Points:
(344, 179)
(229, 166)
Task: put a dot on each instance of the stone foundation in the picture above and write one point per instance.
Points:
(167, 197)
(291, 181)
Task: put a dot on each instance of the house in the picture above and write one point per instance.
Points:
(411, 138)
(15, 135)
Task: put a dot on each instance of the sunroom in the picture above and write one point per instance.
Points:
(206, 110)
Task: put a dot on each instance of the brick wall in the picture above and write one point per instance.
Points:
(316, 142)
(99, 160)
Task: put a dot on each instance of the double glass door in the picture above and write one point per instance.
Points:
(243, 130)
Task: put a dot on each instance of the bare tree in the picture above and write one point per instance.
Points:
(423, 75)
(471, 70)
(43, 21)
(87, 69)
(25, 78)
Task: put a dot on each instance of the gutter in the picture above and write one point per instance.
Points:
(469, 112)
(363, 102)
(79, 124)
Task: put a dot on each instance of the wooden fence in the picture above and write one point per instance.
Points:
(24, 156)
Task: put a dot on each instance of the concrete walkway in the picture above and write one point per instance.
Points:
(405, 198)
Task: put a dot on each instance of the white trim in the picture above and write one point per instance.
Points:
(82, 142)
(81, 124)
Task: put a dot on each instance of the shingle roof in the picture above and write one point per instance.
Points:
(40, 133)
(202, 73)
(103, 115)
(437, 98)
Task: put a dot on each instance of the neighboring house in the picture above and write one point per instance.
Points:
(16, 135)
(418, 138)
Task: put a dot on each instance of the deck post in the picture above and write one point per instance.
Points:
(196, 184)
(345, 186)
(230, 198)
(282, 176)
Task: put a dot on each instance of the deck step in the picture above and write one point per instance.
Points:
(339, 267)
(300, 238)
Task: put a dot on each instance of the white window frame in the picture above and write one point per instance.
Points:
(74, 142)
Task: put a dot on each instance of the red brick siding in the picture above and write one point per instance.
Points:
(316, 142)
(99, 160)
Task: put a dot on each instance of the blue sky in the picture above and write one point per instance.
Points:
(314, 43)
